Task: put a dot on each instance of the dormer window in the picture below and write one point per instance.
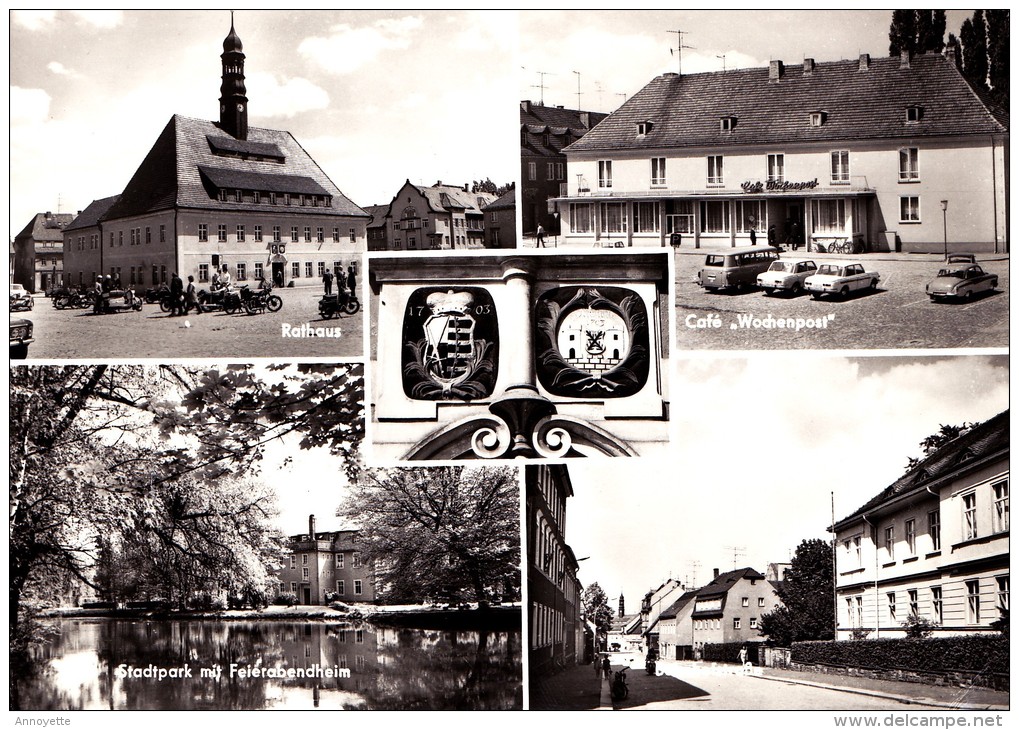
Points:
(914, 114)
(727, 124)
(545, 139)
(817, 119)
(643, 128)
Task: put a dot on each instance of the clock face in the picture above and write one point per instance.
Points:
(240, 107)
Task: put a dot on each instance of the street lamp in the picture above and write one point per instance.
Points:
(944, 216)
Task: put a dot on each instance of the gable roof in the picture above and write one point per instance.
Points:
(91, 215)
(987, 440)
(443, 198)
(677, 606)
(46, 227)
(504, 202)
(537, 119)
(192, 159)
(685, 111)
(725, 581)
(378, 214)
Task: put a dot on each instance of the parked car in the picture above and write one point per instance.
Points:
(840, 278)
(21, 337)
(961, 258)
(960, 281)
(786, 275)
(736, 267)
(20, 298)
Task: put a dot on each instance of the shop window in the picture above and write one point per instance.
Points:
(714, 216)
(645, 217)
(580, 217)
(613, 217)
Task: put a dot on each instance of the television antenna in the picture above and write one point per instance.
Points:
(679, 47)
(541, 84)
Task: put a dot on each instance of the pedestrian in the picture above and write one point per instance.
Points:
(753, 237)
(351, 277)
(97, 294)
(191, 297)
(606, 666)
(341, 281)
(215, 285)
(771, 235)
(743, 655)
(597, 665)
(541, 236)
(327, 282)
(795, 233)
(176, 295)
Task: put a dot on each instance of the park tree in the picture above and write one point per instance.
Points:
(596, 608)
(441, 533)
(973, 35)
(807, 612)
(902, 32)
(916, 31)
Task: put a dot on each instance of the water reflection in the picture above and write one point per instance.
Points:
(371, 667)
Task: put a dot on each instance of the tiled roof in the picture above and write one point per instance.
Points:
(91, 215)
(442, 198)
(377, 213)
(504, 202)
(685, 111)
(170, 174)
(725, 581)
(984, 440)
(677, 606)
(46, 227)
(557, 119)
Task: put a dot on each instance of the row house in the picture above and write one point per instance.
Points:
(894, 153)
(214, 194)
(555, 623)
(501, 221)
(322, 563)
(38, 263)
(933, 545)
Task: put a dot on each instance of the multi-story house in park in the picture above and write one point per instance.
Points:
(326, 562)
(893, 153)
(214, 194)
(932, 545)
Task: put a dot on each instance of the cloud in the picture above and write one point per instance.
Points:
(285, 98)
(485, 31)
(60, 69)
(104, 19)
(346, 49)
(29, 106)
(34, 19)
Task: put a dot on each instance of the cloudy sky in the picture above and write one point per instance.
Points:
(375, 97)
(618, 53)
(762, 444)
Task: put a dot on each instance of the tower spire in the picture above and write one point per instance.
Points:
(233, 101)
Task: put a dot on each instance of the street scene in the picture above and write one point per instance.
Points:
(898, 313)
(298, 328)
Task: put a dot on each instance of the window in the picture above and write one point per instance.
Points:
(320, 234)
(911, 537)
(1002, 581)
(751, 215)
(840, 167)
(304, 559)
(934, 528)
(909, 170)
(258, 233)
(120, 238)
(162, 234)
(914, 114)
(148, 234)
(973, 601)
(133, 277)
(1000, 516)
(642, 128)
(969, 516)
(259, 270)
(909, 209)
(914, 604)
(854, 557)
(276, 234)
(203, 232)
(321, 268)
(550, 171)
(356, 560)
(306, 573)
(256, 197)
(111, 239)
(295, 234)
(746, 601)
(240, 233)
(658, 171)
(736, 623)
(890, 598)
(272, 198)
(727, 124)
(339, 561)
(760, 602)
(203, 272)
(890, 542)
(221, 232)
(293, 562)
(605, 173)
(293, 587)
(286, 198)
(936, 604)
(776, 168)
(336, 235)
(295, 270)
(307, 234)
(714, 216)
(580, 218)
(532, 171)
(645, 217)
(308, 269)
(817, 119)
(357, 588)
(850, 612)
(242, 272)
(341, 587)
(753, 623)
(353, 236)
(715, 170)
(613, 217)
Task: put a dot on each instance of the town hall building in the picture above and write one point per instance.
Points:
(214, 194)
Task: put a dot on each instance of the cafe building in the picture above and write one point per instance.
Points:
(895, 153)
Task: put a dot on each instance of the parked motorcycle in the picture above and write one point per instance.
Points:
(73, 300)
(229, 300)
(345, 302)
(619, 689)
(258, 300)
(650, 666)
(120, 301)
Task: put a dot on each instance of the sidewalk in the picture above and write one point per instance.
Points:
(575, 688)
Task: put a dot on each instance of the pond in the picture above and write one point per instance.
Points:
(249, 665)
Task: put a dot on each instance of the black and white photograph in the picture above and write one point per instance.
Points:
(713, 588)
(209, 539)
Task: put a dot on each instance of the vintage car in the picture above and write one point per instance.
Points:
(119, 300)
(840, 278)
(735, 267)
(21, 338)
(961, 258)
(960, 281)
(20, 298)
(786, 275)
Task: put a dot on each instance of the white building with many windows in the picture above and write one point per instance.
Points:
(933, 545)
(893, 153)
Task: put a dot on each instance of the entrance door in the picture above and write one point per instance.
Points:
(277, 273)
(794, 212)
(307, 596)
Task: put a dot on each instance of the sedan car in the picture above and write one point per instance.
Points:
(786, 275)
(20, 299)
(21, 338)
(960, 281)
(840, 278)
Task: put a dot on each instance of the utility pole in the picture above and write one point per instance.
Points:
(679, 47)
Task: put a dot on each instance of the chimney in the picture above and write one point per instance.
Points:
(808, 66)
(952, 54)
(864, 61)
(716, 569)
(904, 59)
(525, 106)
(775, 70)
(585, 120)
(49, 214)
(311, 526)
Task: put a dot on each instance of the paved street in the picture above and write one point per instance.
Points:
(79, 334)
(897, 315)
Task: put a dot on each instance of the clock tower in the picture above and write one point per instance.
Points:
(233, 102)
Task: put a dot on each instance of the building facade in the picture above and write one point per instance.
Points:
(215, 194)
(39, 252)
(545, 131)
(523, 355)
(322, 563)
(933, 545)
(83, 243)
(555, 622)
(425, 218)
(893, 153)
(501, 221)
